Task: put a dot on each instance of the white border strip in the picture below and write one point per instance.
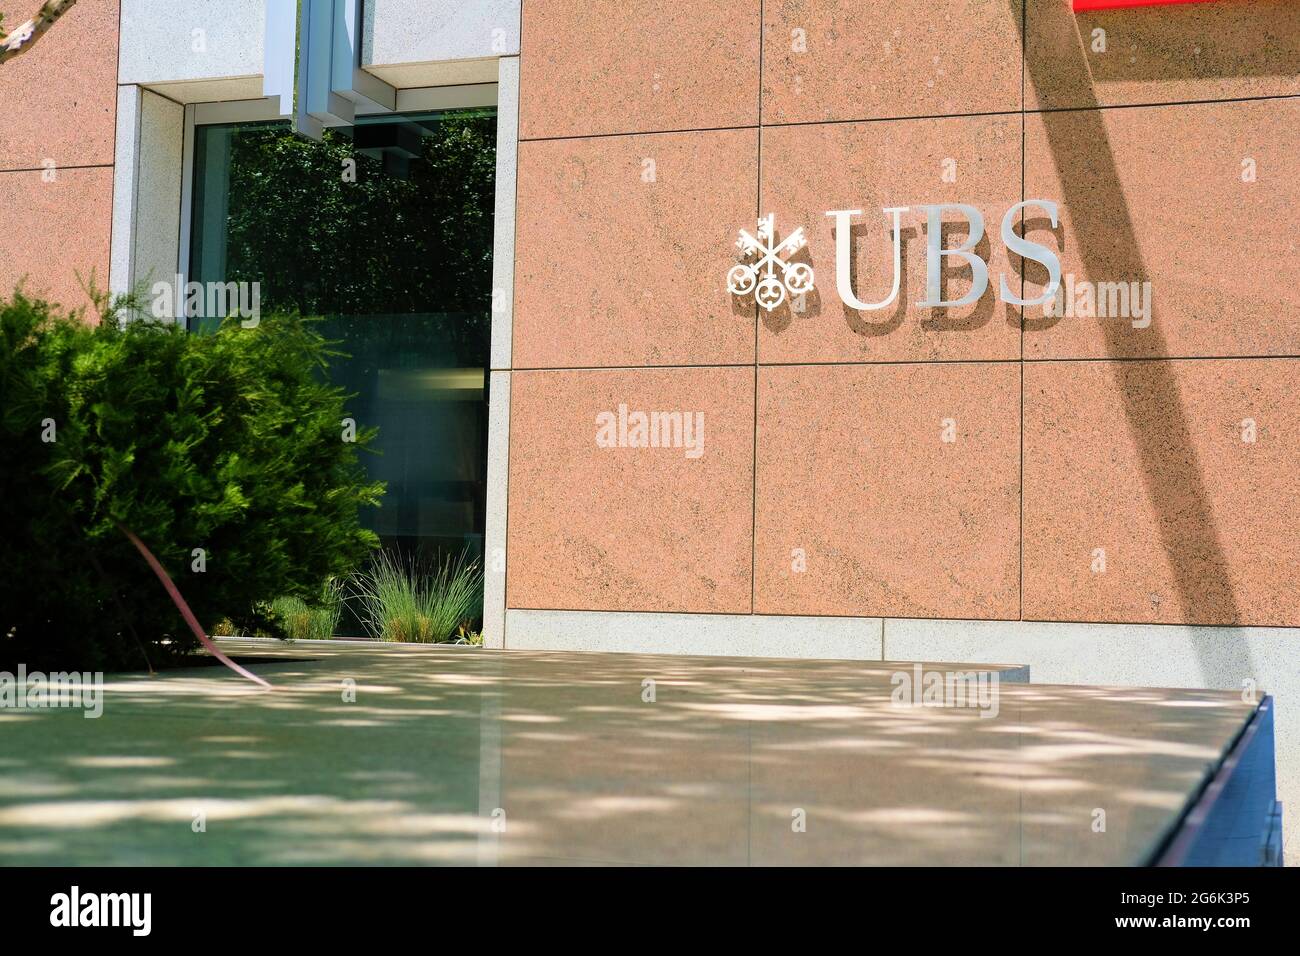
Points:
(729, 635)
(187, 200)
(237, 111)
(503, 240)
(1133, 655)
(494, 534)
(467, 96)
(126, 176)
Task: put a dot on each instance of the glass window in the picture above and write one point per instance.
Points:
(384, 231)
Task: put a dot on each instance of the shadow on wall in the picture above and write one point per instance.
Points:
(1171, 470)
(1257, 40)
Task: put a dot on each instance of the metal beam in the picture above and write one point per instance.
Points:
(313, 65)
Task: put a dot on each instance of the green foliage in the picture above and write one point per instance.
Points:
(304, 622)
(230, 443)
(384, 244)
(411, 601)
(465, 634)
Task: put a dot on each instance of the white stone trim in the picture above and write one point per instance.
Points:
(456, 73)
(1135, 655)
(494, 536)
(427, 99)
(147, 189)
(427, 31)
(187, 195)
(745, 635)
(503, 239)
(161, 42)
(125, 174)
(499, 355)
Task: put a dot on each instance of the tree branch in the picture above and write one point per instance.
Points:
(26, 35)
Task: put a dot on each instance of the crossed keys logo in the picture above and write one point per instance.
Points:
(770, 278)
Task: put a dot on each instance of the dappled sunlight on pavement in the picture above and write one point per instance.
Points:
(432, 755)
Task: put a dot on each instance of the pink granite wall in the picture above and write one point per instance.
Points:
(56, 152)
(969, 462)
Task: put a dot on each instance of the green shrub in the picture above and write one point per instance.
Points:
(466, 634)
(304, 622)
(416, 602)
(224, 453)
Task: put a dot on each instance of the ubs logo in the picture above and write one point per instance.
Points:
(769, 277)
(766, 271)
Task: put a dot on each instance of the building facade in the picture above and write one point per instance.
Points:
(1099, 483)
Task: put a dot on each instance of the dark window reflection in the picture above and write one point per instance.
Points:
(385, 232)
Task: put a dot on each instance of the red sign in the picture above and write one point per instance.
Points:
(1081, 6)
